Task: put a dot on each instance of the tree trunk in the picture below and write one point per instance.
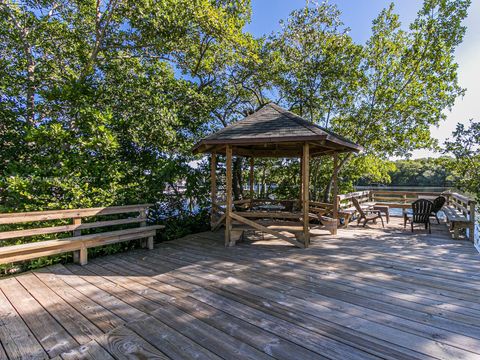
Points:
(328, 188)
(237, 178)
(31, 88)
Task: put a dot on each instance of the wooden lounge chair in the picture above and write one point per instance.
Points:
(437, 206)
(367, 214)
(422, 209)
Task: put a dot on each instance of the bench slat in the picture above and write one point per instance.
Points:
(453, 214)
(15, 218)
(50, 247)
(65, 228)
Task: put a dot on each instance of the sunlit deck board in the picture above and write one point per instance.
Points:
(366, 293)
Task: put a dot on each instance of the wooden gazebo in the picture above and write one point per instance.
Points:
(272, 132)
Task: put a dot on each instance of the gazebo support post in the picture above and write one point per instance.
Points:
(305, 193)
(300, 195)
(251, 180)
(228, 205)
(335, 192)
(213, 187)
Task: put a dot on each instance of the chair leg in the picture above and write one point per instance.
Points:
(383, 225)
(429, 227)
(438, 221)
(411, 224)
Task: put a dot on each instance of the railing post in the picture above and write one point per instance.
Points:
(471, 234)
(79, 256)
(145, 243)
(228, 208)
(336, 203)
(213, 189)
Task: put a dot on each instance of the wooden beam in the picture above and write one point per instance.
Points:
(15, 218)
(216, 225)
(335, 190)
(471, 230)
(79, 257)
(300, 193)
(305, 192)
(213, 187)
(251, 178)
(65, 228)
(228, 209)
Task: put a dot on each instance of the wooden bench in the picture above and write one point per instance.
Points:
(292, 227)
(460, 214)
(77, 243)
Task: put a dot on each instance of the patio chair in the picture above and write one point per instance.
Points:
(367, 214)
(422, 209)
(437, 206)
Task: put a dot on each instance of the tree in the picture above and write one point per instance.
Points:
(384, 95)
(395, 88)
(465, 147)
(103, 100)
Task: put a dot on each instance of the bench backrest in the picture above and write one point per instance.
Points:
(461, 203)
(76, 215)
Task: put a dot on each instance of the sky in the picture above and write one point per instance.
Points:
(358, 16)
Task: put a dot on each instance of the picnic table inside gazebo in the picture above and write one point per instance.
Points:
(272, 132)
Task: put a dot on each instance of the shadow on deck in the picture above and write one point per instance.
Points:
(366, 293)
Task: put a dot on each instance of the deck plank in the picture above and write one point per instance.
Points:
(53, 337)
(327, 287)
(15, 336)
(366, 293)
(174, 344)
(90, 351)
(100, 316)
(123, 344)
(280, 348)
(400, 331)
(77, 325)
(212, 339)
(324, 329)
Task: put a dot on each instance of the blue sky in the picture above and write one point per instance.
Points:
(358, 16)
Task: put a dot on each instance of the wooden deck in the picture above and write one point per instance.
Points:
(367, 293)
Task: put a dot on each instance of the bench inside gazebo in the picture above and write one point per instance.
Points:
(272, 132)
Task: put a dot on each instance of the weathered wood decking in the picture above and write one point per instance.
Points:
(367, 293)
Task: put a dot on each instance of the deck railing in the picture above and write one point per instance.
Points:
(460, 205)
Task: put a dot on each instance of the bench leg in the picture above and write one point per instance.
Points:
(235, 235)
(299, 236)
(81, 256)
(150, 243)
(455, 231)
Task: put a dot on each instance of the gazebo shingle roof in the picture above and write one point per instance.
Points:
(274, 131)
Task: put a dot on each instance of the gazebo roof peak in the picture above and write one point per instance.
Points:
(277, 132)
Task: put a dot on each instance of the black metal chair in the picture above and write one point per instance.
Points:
(422, 209)
(437, 206)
